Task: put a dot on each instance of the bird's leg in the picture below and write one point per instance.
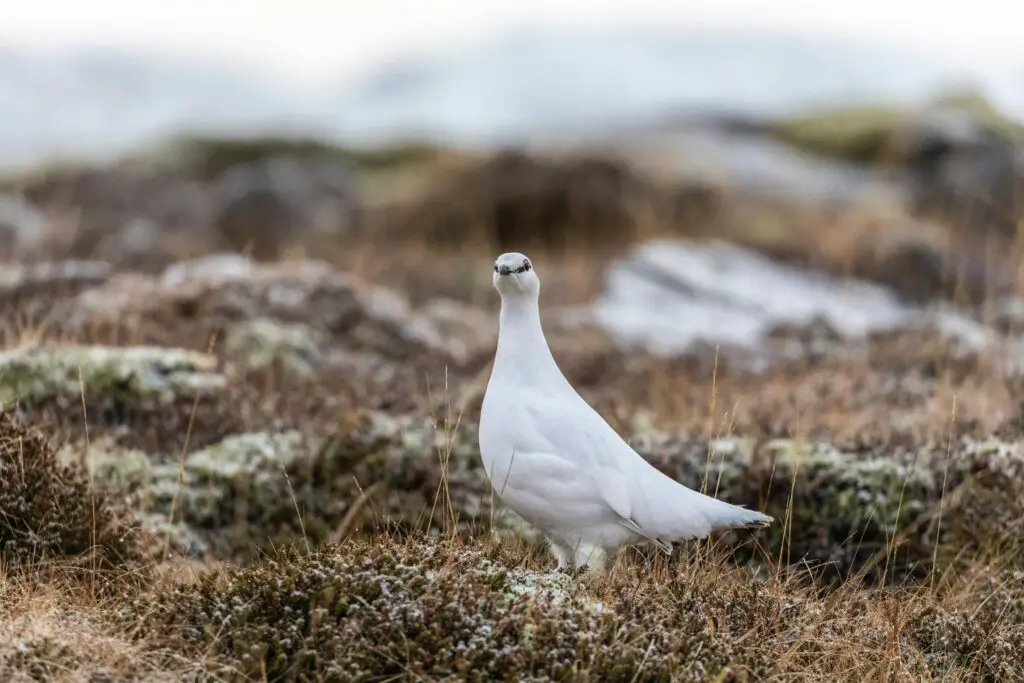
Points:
(562, 554)
(591, 556)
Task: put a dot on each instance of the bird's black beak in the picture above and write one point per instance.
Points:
(502, 270)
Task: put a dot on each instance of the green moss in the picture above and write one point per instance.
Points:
(210, 156)
(861, 134)
(142, 376)
(870, 134)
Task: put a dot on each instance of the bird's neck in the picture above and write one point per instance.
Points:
(523, 353)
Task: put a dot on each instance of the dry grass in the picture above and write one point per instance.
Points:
(442, 599)
(385, 608)
(467, 606)
(61, 630)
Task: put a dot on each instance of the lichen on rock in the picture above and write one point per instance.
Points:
(235, 490)
(849, 510)
(259, 343)
(256, 489)
(145, 376)
(20, 279)
(839, 511)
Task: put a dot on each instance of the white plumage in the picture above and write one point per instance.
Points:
(556, 462)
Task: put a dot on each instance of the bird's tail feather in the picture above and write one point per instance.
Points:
(722, 515)
(676, 512)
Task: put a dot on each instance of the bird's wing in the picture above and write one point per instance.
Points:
(578, 433)
(647, 501)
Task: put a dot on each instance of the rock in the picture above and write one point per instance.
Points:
(237, 488)
(105, 202)
(966, 172)
(830, 497)
(125, 469)
(226, 288)
(1008, 315)
(54, 277)
(220, 290)
(23, 228)
(257, 344)
(141, 376)
(756, 167)
(264, 206)
(247, 490)
(216, 267)
(467, 330)
(672, 297)
(140, 244)
(958, 157)
(397, 327)
(144, 211)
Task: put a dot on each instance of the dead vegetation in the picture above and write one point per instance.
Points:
(50, 511)
(268, 471)
(308, 559)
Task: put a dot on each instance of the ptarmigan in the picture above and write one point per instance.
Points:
(554, 460)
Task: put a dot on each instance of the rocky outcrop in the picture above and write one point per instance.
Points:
(141, 376)
(194, 302)
(139, 213)
(251, 490)
(24, 228)
(888, 514)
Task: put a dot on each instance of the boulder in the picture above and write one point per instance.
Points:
(23, 228)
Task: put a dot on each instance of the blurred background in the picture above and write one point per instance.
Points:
(685, 173)
(613, 116)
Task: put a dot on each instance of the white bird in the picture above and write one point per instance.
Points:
(554, 460)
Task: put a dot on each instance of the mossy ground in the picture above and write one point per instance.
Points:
(198, 493)
(873, 134)
(375, 608)
(301, 544)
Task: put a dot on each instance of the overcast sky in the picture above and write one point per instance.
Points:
(319, 40)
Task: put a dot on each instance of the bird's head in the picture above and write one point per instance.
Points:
(514, 276)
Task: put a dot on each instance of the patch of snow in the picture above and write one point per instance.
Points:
(668, 297)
